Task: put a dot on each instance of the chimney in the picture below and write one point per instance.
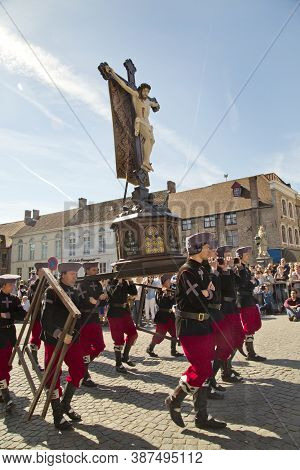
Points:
(254, 192)
(171, 186)
(27, 217)
(35, 214)
(82, 202)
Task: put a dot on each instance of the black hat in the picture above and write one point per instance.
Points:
(194, 243)
(221, 250)
(244, 249)
(8, 279)
(40, 265)
(67, 267)
(90, 264)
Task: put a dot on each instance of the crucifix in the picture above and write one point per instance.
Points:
(142, 131)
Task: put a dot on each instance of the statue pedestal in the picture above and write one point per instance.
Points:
(147, 243)
(264, 261)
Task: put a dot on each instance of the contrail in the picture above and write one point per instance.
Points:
(42, 179)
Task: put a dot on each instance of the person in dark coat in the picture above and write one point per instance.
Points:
(54, 317)
(10, 311)
(122, 328)
(90, 294)
(194, 318)
(165, 317)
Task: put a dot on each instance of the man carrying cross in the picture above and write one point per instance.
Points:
(194, 293)
(10, 310)
(90, 294)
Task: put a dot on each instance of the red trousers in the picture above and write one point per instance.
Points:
(91, 340)
(237, 332)
(223, 339)
(74, 361)
(250, 318)
(121, 326)
(199, 351)
(162, 329)
(36, 334)
(5, 354)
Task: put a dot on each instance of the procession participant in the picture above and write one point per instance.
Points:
(121, 322)
(164, 318)
(194, 293)
(54, 317)
(90, 293)
(35, 340)
(232, 330)
(249, 312)
(10, 310)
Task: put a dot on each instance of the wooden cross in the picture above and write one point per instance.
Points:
(130, 67)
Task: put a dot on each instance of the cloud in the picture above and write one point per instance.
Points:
(41, 178)
(17, 57)
(55, 120)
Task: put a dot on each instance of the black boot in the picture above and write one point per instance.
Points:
(212, 383)
(119, 366)
(234, 372)
(6, 398)
(227, 375)
(150, 350)
(87, 381)
(59, 421)
(202, 420)
(173, 403)
(34, 352)
(252, 356)
(175, 353)
(66, 403)
(125, 357)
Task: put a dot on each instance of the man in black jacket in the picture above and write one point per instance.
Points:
(54, 317)
(121, 322)
(194, 317)
(10, 310)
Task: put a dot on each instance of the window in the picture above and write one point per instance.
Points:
(31, 270)
(291, 241)
(209, 221)
(291, 212)
(72, 244)
(44, 248)
(102, 268)
(20, 250)
(86, 243)
(283, 233)
(232, 237)
(58, 245)
(230, 218)
(4, 259)
(186, 224)
(31, 249)
(101, 240)
(19, 272)
(296, 237)
(283, 204)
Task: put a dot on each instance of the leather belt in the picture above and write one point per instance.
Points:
(215, 306)
(6, 326)
(119, 305)
(228, 299)
(193, 316)
(169, 310)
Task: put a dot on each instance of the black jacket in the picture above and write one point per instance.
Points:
(88, 288)
(10, 305)
(165, 300)
(118, 294)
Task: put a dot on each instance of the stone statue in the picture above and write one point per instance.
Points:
(261, 241)
(142, 105)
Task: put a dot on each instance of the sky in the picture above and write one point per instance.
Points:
(56, 141)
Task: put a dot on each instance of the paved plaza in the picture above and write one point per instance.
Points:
(128, 412)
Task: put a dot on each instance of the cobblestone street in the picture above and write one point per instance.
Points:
(128, 412)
